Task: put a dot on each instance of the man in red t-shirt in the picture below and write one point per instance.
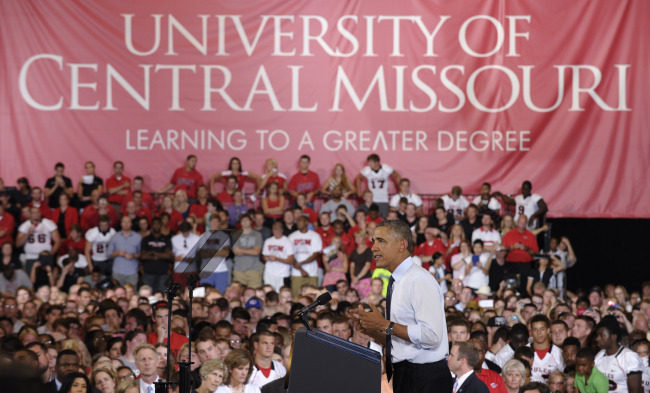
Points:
(138, 185)
(325, 229)
(225, 196)
(118, 186)
(186, 178)
(159, 335)
(141, 210)
(521, 245)
(199, 208)
(432, 245)
(74, 240)
(305, 181)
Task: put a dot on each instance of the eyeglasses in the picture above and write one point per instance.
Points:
(235, 341)
(450, 297)
(126, 376)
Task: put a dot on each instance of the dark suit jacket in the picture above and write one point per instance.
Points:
(473, 385)
(50, 387)
(276, 386)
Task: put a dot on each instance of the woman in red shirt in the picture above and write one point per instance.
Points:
(273, 203)
(175, 217)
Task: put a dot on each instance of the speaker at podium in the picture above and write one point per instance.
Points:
(322, 363)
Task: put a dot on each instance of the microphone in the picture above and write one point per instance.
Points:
(322, 299)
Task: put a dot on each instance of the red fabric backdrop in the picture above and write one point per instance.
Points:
(447, 92)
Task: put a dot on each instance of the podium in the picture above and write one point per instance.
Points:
(322, 363)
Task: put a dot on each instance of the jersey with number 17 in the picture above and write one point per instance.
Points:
(378, 182)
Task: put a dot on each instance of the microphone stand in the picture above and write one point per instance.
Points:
(185, 367)
(162, 386)
(304, 318)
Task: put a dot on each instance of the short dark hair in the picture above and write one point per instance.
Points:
(469, 352)
(64, 352)
(139, 315)
(539, 386)
(524, 351)
(185, 227)
(540, 318)
(400, 230)
(240, 313)
(586, 353)
(571, 341)
(373, 157)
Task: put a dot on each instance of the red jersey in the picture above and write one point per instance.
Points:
(199, 211)
(279, 178)
(68, 244)
(304, 183)
(426, 249)
(527, 239)
(177, 341)
(492, 380)
(347, 242)
(144, 212)
(376, 221)
(225, 199)
(310, 213)
(147, 201)
(186, 180)
(90, 217)
(71, 218)
(272, 204)
(7, 224)
(113, 182)
(326, 235)
(175, 219)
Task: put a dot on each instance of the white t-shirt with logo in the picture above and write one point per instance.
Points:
(304, 246)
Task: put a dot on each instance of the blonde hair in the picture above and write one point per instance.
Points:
(144, 346)
(102, 370)
(514, 364)
(212, 365)
(126, 385)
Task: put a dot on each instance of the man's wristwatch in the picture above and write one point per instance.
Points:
(389, 329)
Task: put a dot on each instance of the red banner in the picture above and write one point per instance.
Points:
(446, 92)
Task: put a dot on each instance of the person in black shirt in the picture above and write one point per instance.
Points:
(56, 185)
(472, 221)
(498, 268)
(156, 256)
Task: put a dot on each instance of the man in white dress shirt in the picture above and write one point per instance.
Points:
(415, 333)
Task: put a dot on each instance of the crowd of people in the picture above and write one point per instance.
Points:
(84, 275)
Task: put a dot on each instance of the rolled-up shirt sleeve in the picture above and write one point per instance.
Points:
(429, 329)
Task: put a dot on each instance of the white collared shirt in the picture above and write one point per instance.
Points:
(418, 303)
(461, 380)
